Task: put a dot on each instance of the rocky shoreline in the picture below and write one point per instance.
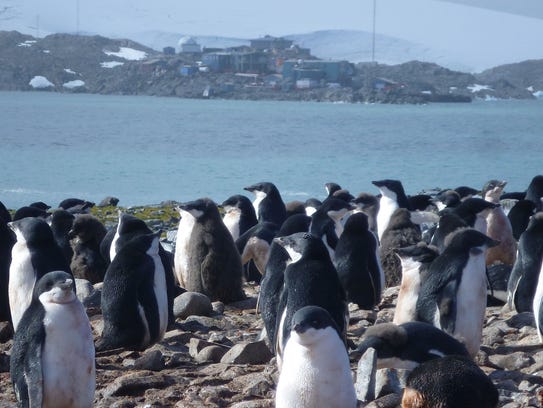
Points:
(213, 357)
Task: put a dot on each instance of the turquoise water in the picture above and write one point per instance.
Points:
(145, 150)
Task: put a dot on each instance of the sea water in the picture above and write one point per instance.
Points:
(145, 150)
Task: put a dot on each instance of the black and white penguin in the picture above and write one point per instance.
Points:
(34, 254)
(369, 205)
(87, 233)
(7, 240)
(40, 204)
(61, 223)
(310, 279)
(206, 258)
(449, 382)
(134, 296)
(415, 261)
(420, 202)
(401, 232)
(448, 223)
(537, 305)
(5, 215)
(27, 211)
(268, 204)
(407, 345)
(526, 270)
(498, 227)
(519, 216)
(453, 295)
(357, 262)
(466, 192)
(254, 246)
(534, 193)
(326, 222)
(446, 199)
(311, 205)
(316, 370)
(52, 359)
(498, 278)
(239, 215)
(273, 280)
(474, 212)
(392, 197)
(76, 205)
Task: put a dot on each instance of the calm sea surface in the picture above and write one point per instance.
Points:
(145, 150)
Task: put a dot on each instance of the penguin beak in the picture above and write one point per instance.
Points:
(66, 285)
(250, 188)
(300, 327)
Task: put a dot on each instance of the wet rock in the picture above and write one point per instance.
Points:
(192, 304)
(248, 353)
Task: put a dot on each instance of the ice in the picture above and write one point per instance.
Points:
(111, 64)
(128, 54)
(40, 82)
(73, 84)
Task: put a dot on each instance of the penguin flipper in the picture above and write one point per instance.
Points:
(34, 376)
(447, 307)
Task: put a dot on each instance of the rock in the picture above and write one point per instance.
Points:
(192, 304)
(136, 383)
(202, 324)
(152, 360)
(365, 376)
(84, 289)
(387, 382)
(249, 303)
(4, 363)
(6, 331)
(196, 345)
(248, 353)
(268, 403)
(109, 202)
(218, 307)
(211, 354)
(513, 361)
(388, 401)
(216, 337)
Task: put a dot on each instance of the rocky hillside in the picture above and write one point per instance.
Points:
(527, 74)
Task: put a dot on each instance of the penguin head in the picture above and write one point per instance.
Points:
(466, 192)
(198, 208)
(32, 231)
(446, 198)
(493, 189)
(263, 187)
(470, 239)
(238, 203)
(87, 227)
(331, 188)
(387, 339)
(55, 287)
(62, 220)
(365, 200)
(311, 206)
(476, 206)
(311, 324)
(129, 224)
(302, 244)
(335, 208)
(421, 252)
(357, 223)
(389, 188)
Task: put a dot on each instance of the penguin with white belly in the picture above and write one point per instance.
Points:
(392, 197)
(52, 359)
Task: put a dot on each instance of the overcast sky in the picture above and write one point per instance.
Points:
(463, 31)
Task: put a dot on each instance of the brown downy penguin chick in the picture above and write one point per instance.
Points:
(401, 232)
(498, 227)
(87, 263)
(449, 382)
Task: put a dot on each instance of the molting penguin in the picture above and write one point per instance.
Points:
(357, 263)
(407, 345)
(524, 276)
(239, 215)
(449, 382)
(401, 232)
(316, 370)
(34, 254)
(134, 296)
(273, 280)
(87, 233)
(7, 240)
(61, 223)
(498, 227)
(415, 261)
(268, 204)
(392, 197)
(52, 360)
(310, 279)
(208, 261)
(453, 295)
(519, 216)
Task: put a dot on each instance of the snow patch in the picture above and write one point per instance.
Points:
(111, 64)
(27, 43)
(476, 88)
(538, 94)
(69, 71)
(40, 82)
(530, 89)
(73, 84)
(128, 54)
(46, 52)
(426, 92)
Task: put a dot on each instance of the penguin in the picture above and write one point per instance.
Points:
(311, 205)
(534, 192)
(357, 263)
(295, 207)
(254, 245)
(87, 233)
(420, 202)
(316, 370)
(401, 232)
(52, 359)
(498, 277)
(466, 192)
(392, 197)
(5, 215)
(76, 205)
(498, 227)
(34, 254)
(331, 188)
(415, 261)
(309, 279)
(369, 205)
(134, 296)
(326, 222)
(342, 195)
(519, 216)
(28, 211)
(453, 295)
(7, 240)
(524, 276)
(40, 204)
(239, 215)
(537, 305)
(474, 212)
(273, 280)
(206, 257)
(268, 204)
(448, 223)
(61, 223)
(409, 344)
(449, 382)
(446, 199)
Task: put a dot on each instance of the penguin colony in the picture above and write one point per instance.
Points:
(312, 259)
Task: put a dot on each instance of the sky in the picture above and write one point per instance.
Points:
(478, 36)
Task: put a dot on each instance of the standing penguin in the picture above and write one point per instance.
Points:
(310, 279)
(519, 216)
(316, 370)
(254, 246)
(61, 223)
(453, 295)
(534, 193)
(34, 254)
(52, 359)
(538, 305)
(87, 233)
(7, 240)
(392, 197)
(134, 296)
(268, 204)
(208, 260)
(524, 276)
(369, 205)
(239, 215)
(357, 263)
